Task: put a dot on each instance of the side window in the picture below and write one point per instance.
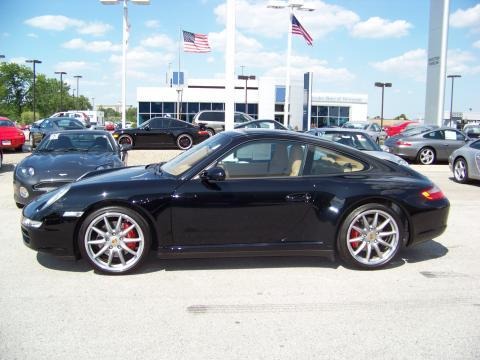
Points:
(265, 159)
(475, 145)
(47, 124)
(212, 116)
(437, 135)
(375, 127)
(323, 161)
(157, 123)
(454, 135)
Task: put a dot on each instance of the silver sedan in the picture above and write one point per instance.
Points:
(465, 162)
(430, 146)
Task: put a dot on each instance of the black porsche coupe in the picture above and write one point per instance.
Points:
(162, 133)
(241, 193)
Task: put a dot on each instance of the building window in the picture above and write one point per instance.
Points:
(168, 107)
(205, 106)
(217, 106)
(329, 116)
(156, 107)
(143, 107)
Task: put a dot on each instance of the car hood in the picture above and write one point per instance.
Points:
(128, 174)
(68, 165)
(386, 156)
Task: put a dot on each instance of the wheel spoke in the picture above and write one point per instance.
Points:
(107, 225)
(357, 229)
(127, 249)
(382, 234)
(118, 227)
(131, 240)
(360, 238)
(365, 221)
(369, 252)
(120, 255)
(127, 230)
(102, 250)
(378, 251)
(99, 232)
(110, 257)
(96, 242)
(375, 220)
(382, 225)
(384, 243)
(360, 248)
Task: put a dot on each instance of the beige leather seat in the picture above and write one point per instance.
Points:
(296, 160)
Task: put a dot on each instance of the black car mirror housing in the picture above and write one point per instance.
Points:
(213, 174)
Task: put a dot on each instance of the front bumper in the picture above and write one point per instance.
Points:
(55, 235)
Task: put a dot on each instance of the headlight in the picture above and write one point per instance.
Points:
(56, 195)
(31, 223)
(402, 162)
(27, 171)
(115, 136)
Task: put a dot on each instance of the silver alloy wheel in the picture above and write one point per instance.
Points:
(114, 242)
(460, 170)
(211, 132)
(427, 156)
(373, 237)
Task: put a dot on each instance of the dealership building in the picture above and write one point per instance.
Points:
(261, 98)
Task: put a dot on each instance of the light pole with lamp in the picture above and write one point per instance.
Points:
(61, 87)
(126, 28)
(246, 78)
(292, 5)
(451, 96)
(78, 77)
(383, 86)
(34, 61)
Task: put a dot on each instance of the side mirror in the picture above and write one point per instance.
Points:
(213, 174)
(88, 126)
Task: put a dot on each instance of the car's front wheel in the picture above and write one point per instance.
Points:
(370, 236)
(125, 140)
(460, 170)
(114, 240)
(184, 142)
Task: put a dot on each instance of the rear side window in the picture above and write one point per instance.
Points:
(212, 116)
(438, 135)
(476, 145)
(323, 161)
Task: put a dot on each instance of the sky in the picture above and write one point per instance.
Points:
(356, 43)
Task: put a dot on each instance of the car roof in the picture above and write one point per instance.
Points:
(77, 131)
(345, 130)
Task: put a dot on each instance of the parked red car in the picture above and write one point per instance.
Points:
(11, 137)
(397, 129)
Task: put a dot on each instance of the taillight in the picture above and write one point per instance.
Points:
(434, 193)
(201, 132)
(403, 143)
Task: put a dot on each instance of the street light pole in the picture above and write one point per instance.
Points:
(246, 78)
(78, 77)
(61, 87)
(34, 61)
(383, 86)
(126, 29)
(292, 5)
(451, 96)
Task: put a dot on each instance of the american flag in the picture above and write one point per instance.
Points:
(298, 29)
(197, 43)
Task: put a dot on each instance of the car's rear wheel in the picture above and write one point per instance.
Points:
(184, 142)
(370, 236)
(114, 240)
(460, 170)
(32, 141)
(210, 131)
(125, 140)
(426, 156)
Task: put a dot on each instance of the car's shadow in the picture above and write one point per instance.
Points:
(422, 252)
(7, 168)
(472, 182)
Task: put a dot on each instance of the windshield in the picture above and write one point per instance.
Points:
(189, 158)
(351, 125)
(92, 142)
(6, 123)
(356, 140)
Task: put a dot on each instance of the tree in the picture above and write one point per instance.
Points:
(15, 83)
(131, 115)
(401, 117)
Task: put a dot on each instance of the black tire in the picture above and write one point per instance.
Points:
(109, 254)
(184, 141)
(426, 156)
(460, 170)
(32, 141)
(125, 139)
(369, 239)
(20, 206)
(210, 131)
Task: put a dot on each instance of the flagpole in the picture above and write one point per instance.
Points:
(286, 118)
(178, 74)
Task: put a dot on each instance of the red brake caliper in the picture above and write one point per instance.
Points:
(354, 234)
(130, 235)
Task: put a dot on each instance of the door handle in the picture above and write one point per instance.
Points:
(302, 197)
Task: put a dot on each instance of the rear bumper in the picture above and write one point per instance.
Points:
(429, 224)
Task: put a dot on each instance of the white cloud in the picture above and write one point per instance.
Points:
(411, 64)
(476, 44)
(19, 60)
(254, 17)
(93, 46)
(141, 58)
(95, 29)
(61, 23)
(32, 35)
(243, 43)
(466, 18)
(376, 27)
(159, 41)
(73, 66)
(152, 24)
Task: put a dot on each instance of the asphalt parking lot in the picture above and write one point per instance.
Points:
(426, 305)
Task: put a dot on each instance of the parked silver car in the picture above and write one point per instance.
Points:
(214, 120)
(357, 139)
(472, 131)
(465, 162)
(430, 146)
(373, 129)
